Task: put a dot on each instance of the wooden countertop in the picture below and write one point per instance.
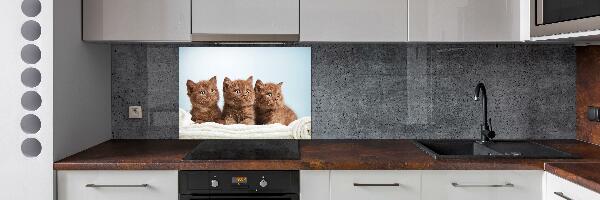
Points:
(584, 174)
(331, 155)
(315, 155)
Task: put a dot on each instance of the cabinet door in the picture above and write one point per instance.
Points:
(314, 185)
(468, 21)
(354, 20)
(214, 20)
(117, 185)
(482, 185)
(375, 185)
(560, 189)
(136, 20)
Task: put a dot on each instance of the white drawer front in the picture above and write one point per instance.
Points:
(482, 185)
(162, 185)
(343, 188)
(566, 190)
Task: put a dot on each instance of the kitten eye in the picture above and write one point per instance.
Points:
(212, 90)
(202, 92)
(237, 91)
(247, 91)
(269, 94)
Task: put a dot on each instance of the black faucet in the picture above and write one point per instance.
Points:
(487, 134)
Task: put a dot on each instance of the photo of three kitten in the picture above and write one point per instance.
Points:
(244, 104)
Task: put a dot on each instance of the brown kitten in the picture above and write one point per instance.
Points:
(204, 97)
(270, 107)
(239, 101)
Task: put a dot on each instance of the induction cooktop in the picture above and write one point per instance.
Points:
(245, 149)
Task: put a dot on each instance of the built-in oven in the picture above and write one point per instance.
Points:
(552, 17)
(238, 185)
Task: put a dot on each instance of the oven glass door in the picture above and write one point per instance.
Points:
(554, 11)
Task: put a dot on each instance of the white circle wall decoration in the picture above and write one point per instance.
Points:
(31, 100)
(31, 8)
(31, 147)
(31, 30)
(31, 77)
(31, 54)
(31, 124)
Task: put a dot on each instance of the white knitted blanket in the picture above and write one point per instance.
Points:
(299, 129)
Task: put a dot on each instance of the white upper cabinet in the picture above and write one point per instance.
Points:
(354, 20)
(307, 20)
(136, 20)
(245, 20)
(468, 20)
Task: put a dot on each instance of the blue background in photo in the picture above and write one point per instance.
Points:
(290, 65)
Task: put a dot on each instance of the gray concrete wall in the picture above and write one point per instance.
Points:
(370, 91)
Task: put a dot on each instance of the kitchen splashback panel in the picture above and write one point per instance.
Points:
(373, 91)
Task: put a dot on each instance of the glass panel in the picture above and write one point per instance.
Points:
(561, 10)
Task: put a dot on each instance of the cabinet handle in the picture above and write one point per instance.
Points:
(470, 186)
(376, 184)
(562, 195)
(115, 186)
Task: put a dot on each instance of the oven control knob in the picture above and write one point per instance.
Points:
(214, 183)
(263, 183)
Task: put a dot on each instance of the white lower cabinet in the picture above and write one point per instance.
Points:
(375, 185)
(341, 185)
(117, 185)
(314, 184)
(560, 189)
(482, 185)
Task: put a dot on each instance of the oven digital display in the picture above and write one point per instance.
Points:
(239, 180)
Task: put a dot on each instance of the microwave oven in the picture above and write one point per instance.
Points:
(554, 17)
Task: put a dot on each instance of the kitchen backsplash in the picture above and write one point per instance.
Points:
(373, 91)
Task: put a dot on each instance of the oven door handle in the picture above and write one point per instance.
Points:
(376, 184)
(285, 196)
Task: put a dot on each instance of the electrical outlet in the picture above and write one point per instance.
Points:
(135, 112)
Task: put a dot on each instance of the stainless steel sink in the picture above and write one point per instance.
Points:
(469, 149)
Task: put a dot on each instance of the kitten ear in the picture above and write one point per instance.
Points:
(213, 80)
(249, 80)
(226, 82)
(190, 85)
(280, 84)
(258, 84)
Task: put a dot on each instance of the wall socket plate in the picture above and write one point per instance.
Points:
(135, 112)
